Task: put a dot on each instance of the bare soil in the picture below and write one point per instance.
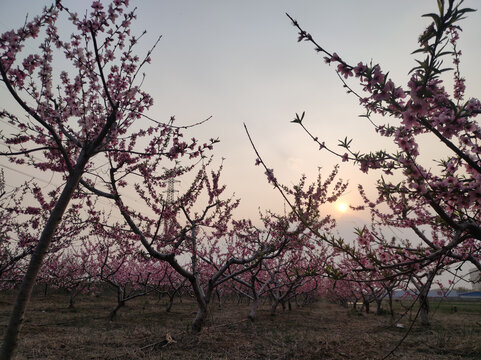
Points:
(143, 330)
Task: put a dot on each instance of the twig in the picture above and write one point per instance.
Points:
(168, 339)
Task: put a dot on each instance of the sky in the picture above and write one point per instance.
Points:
(240, 62)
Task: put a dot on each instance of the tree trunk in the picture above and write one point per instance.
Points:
(23, 297)
(203, 300)
(199, 318)
(252, 313)
(115, 309)
(423, 300)
(391, 308)
(378, 307)
(71, 301)
(424, 311)
(219, 299)
(274, 307)
(366, 306)
(169, 304)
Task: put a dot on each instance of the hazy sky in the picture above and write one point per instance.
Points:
(240, 62)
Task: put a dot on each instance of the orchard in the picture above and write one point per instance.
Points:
(117, 232)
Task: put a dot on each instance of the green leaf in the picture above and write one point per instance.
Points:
(442, 53)
(421, 50)
(345, 143)
(435, 17)
(466, 10)
(445, 69)
(441, 6)
(298, 119)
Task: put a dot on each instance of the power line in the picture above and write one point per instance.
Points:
(26, 174)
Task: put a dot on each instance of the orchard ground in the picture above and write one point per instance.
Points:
(321, 330)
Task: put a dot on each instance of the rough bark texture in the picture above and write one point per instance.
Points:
(199, 318)
(424, 311)
(203, 300)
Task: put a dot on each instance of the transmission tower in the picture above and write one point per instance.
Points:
(171, 190)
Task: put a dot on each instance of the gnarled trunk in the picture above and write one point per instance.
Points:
(203, 300)
(200, 317)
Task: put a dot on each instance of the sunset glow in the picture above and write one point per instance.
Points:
(342, 207)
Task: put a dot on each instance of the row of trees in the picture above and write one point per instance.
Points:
(109, 220)
(294, 275)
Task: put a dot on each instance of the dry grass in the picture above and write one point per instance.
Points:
(319, 331)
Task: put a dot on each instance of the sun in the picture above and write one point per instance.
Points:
(342, 207)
